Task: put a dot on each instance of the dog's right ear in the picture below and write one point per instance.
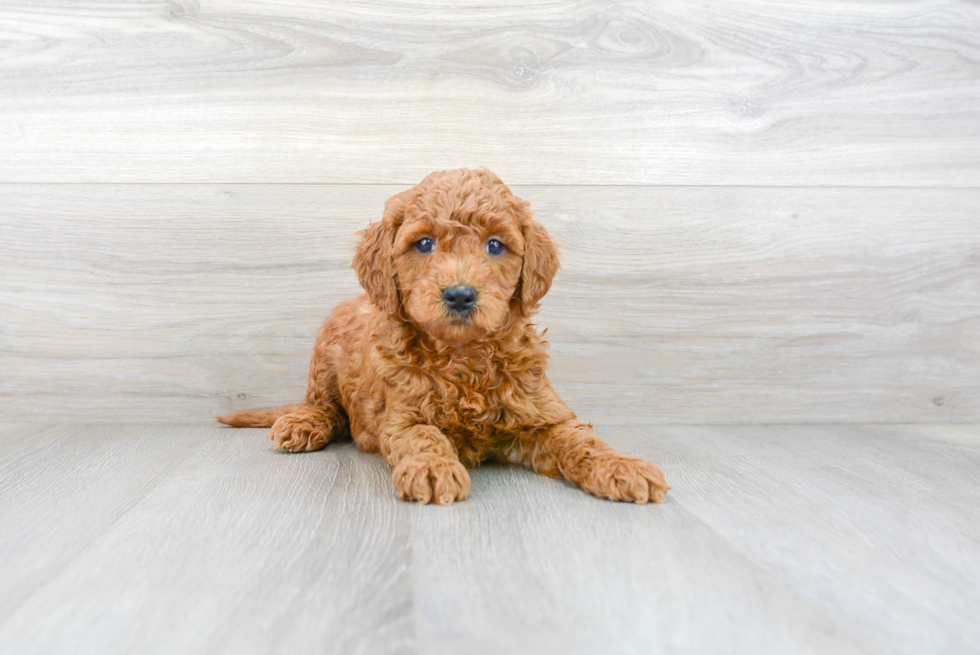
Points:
(540, 264)
(373, 260)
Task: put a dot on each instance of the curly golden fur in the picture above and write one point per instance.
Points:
(436, 389)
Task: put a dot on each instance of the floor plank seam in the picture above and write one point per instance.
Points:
(105, 531)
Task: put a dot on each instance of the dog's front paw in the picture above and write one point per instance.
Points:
(298, 433)
(618, 477)
(431, 478)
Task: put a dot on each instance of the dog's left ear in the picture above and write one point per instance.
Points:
(540, 264)
(373, 259)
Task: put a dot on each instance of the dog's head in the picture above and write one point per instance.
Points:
(458, 255)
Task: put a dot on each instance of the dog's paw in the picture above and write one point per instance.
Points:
(431, 478)
(298, 433)
(618, 477)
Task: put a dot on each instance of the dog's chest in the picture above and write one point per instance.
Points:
(479, 400)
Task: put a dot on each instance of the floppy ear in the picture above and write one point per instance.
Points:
(540, 265)
(373, 260)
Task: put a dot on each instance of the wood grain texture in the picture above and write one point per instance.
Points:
(879, 523)
(606, 578)
(674, 304)
(194, 539)
(238, 549)
(588, 92)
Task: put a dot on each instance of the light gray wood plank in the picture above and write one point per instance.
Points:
(674, 304)
(879, 524)
(774, 539)
(6, 427)
(62, 486)
(531, 564)
(240, 549)
(755, 92)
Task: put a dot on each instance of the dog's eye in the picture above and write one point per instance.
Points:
(425, 245)
(494, 247)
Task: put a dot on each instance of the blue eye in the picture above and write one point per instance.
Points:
(494, 247)
(425, 245)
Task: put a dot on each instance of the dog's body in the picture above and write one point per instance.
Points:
(438, 367)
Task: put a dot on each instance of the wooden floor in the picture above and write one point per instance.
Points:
(194, 538)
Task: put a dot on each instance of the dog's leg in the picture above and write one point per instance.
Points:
(312, 425)
(425, 466)
(571, 450)
(308, 428)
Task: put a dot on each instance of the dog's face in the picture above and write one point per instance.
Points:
(458, 255)
(457, 267)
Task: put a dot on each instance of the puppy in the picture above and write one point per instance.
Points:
(438, 367)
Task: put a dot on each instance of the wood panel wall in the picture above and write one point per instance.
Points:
(768, 211)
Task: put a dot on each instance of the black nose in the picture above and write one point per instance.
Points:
(459, 298)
